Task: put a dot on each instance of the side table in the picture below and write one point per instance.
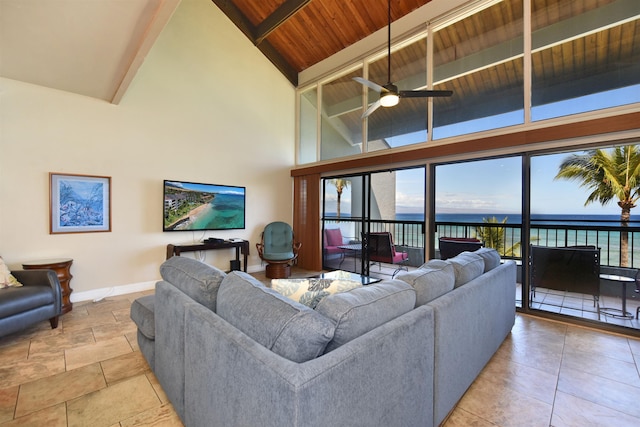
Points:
(62, 267)
(618, 312)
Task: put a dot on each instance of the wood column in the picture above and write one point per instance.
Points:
(306, 220)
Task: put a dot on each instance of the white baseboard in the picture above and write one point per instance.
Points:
(99, 294)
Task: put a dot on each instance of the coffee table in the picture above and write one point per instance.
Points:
(347, 275)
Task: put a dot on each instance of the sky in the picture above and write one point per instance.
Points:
(494, 186)
(490, 186)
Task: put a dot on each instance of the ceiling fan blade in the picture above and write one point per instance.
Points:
(373, 107)
(369, 84)
(424, 93)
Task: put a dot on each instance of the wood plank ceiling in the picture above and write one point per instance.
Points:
(296, 34)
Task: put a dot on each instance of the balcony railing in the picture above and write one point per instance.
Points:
(606, 235)
(405, 233)
(507, 238)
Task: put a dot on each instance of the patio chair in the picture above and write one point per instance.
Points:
(381, 249)
(452, 246)
(570, 269)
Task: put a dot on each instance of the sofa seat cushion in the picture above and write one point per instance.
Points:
(15, 300)
(142, 314)
(490, 256)
(286, 327)
(311, 291)
(363, 309)
(430, 281)
(467, 266)
(198, 280)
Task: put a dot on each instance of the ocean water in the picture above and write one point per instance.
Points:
(563, 219)
(541, 234)
(226, 212)
(606, 239)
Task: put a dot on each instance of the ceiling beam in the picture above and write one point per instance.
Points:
(277, 18)
(236, 16)
(258, 34)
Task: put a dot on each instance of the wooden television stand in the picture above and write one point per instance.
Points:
(240, 247)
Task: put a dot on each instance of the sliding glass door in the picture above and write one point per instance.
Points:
(391, 203)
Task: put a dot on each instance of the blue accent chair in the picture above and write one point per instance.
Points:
(278, 249)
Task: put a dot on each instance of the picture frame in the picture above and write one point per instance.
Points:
(79, 203)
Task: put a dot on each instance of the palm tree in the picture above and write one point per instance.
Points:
(340, 184)
(493, 237)
(608, 175)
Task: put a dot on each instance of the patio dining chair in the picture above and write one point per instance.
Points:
(381, 249)
(452, 246)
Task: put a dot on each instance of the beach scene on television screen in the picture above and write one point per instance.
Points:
(192, 206)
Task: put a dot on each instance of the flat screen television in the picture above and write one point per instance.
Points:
(193, 206)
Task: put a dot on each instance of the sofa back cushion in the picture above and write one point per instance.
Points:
(286, 327)
(430, 281)
(361, 310)
(467, 266)
(198, 280)
(490, 256)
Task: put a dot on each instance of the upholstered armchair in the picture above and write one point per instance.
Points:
(40, 298)
(278, 249)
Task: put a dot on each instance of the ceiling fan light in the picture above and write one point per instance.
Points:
(389, 99)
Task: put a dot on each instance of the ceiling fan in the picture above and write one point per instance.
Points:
(389, 93)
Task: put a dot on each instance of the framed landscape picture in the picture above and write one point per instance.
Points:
(79, 203)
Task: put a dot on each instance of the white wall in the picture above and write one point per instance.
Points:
(206, 106)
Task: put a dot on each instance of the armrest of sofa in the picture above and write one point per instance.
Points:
(384, 377)
(41, 277)
(170, 307)
(471, 322)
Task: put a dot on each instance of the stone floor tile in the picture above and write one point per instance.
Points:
(97, 352)
(113, 404)
(33, 368)
(571, 411)
(113, 330)
(108, 305)
(61, 342)
(503, 406)
(53, 416)
(461, 418)
(89, 321)
(585, 340)
(8, 399)
(125, 366)
(162, 416)
(59, 388)
(598, 364)
(602, 391)
(529, 381)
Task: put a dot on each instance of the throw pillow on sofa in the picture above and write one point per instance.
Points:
(311, 291)
(7, 280)
(198, 280)
(490, 256)
(430, 281)
(467, 266)
(286, 327)
(363, 309)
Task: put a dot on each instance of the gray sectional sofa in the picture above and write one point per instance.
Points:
(229, 351)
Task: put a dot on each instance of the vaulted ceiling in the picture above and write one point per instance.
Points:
(296, 34)
(95, 48)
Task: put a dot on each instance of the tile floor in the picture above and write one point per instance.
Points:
(89, 372)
